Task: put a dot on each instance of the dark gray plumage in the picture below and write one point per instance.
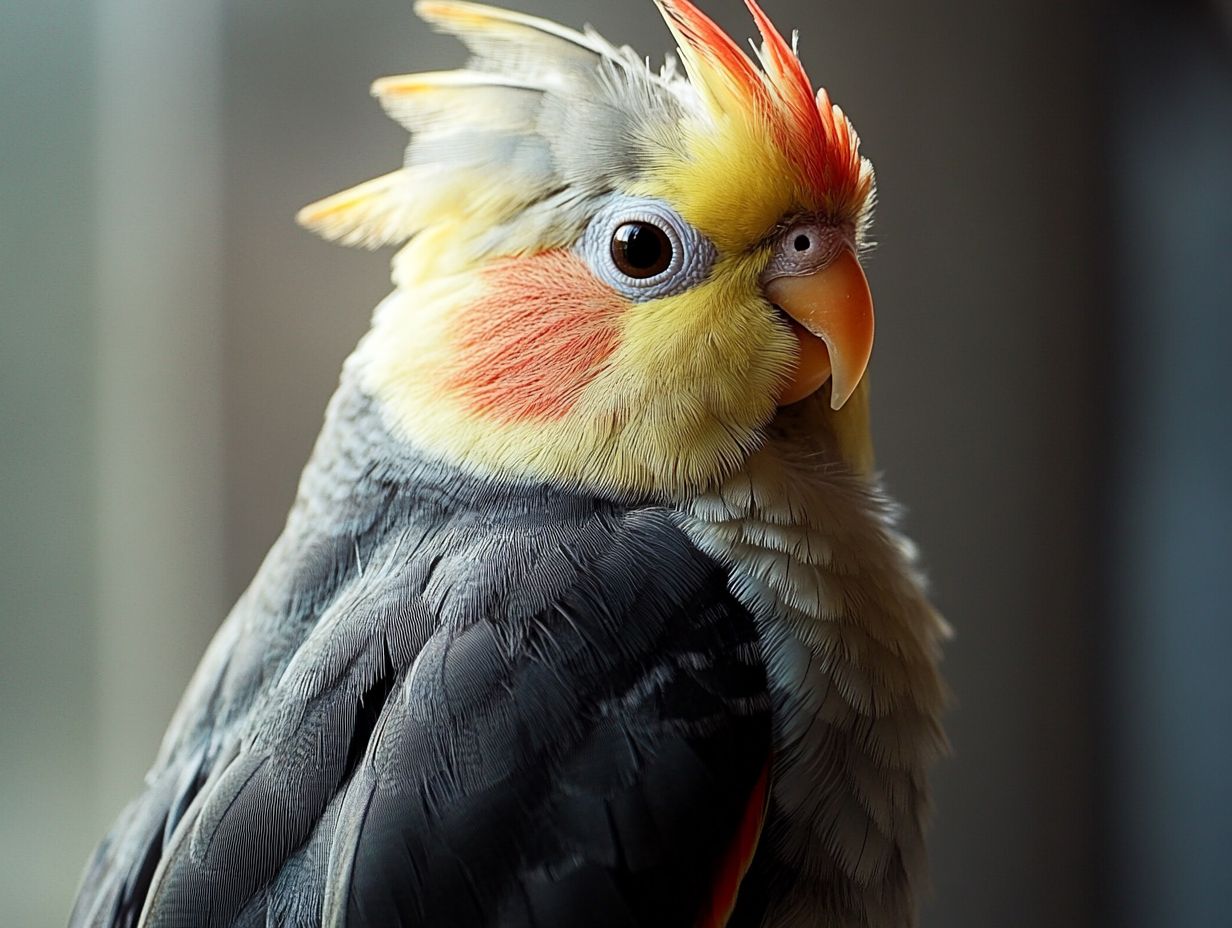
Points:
(448, 702)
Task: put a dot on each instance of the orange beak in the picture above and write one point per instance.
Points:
(832, 314)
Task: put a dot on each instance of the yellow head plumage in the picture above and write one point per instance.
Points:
(612, 277)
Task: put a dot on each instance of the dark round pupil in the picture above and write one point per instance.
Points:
(802, 243)
(641, 249)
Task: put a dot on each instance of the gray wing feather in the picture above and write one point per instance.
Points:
(341, 514)
(417, 654)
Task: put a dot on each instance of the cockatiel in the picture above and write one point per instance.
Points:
(590, 610)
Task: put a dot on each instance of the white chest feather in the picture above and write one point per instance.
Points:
(852, 648)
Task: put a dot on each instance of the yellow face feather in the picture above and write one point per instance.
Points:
(662, 397)
(677, 402)
(730, 185)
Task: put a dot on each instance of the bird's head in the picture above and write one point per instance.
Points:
(610, 276)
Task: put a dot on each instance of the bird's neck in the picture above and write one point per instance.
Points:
(851, 648)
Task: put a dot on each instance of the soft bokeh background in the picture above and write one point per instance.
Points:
(1052, 401)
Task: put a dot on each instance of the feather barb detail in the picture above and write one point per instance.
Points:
(815, 136)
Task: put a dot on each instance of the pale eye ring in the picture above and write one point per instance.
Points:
(804, 247)
(644, 249)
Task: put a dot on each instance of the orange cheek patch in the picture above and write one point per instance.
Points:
(542, 331)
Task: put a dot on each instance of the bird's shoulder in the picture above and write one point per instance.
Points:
(560, 690)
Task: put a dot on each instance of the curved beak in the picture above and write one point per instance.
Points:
(832, 314)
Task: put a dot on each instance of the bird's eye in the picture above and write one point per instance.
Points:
(641, 249)
(802, 242)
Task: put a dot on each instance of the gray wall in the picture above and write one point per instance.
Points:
(170, 340)
(48, 637)
(1170, 632)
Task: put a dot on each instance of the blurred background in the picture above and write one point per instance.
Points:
(1051, 395)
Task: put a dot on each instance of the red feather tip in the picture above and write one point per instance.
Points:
(815, 136)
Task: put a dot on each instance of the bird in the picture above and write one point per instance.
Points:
(591, 607)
